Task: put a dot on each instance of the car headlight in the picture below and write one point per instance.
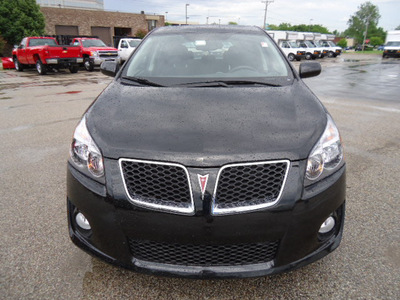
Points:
(84, 152)
(94, 53)
(326, 156)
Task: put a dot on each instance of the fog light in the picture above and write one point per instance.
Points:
(327, 225)
(82, 221)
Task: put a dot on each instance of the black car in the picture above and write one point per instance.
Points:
(207, 156)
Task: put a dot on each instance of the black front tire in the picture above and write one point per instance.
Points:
(88, 64)
(40, 68)
(291, 57)
(18, 66)
(74, 69)
(309, 56)
(331, 54)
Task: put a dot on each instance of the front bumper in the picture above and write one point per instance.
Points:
(294, 221)
(391, 53)
(97, 61)
(64, 61)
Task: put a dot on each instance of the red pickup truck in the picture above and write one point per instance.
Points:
(95, 52)
(46, 54)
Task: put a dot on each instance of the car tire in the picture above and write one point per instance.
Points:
(331, 54)
(18, 66)
(40, 68)
(88, 65)
(73, 69)
(291, 57)
(309, 56)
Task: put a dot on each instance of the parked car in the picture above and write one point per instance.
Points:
(45, 54)
(207, 165)
(95, 52)
(126, 47)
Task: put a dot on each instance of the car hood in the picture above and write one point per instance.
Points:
(206, 126)
(101, 49)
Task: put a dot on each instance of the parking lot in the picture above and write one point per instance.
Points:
(38, 115)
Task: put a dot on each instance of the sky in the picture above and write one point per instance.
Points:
(332, 14)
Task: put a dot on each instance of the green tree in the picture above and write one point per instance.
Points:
(342, 43)
(232, 23)
(367, 16)
(20, 18)
(375, 41)
(299, 28)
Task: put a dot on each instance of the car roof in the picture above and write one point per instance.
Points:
(208, 28)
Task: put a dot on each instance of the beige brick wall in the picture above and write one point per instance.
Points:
(85, 19)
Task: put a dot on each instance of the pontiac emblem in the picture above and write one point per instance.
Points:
(203, 184)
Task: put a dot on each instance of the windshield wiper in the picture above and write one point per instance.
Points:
(141, 80)
(226, 83)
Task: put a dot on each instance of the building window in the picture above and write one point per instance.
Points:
(152, 24)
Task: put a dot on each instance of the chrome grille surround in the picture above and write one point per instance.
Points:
(243, 206)
(179, 207)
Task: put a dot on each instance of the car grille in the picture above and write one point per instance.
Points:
(108, 54)
(239, 187)
(157, 185)
(242, 187)
(203, 255)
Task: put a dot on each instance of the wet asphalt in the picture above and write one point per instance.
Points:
(38, 261)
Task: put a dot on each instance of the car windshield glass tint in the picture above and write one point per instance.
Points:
(93, 43)
(42, 42)
(293, 45)
(134, 43)
(393, 44)
(332, 44)
(190, 57)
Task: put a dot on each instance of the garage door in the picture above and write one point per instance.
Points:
(67, 30)
(103, 33)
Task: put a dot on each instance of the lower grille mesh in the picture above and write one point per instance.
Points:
(203, 255)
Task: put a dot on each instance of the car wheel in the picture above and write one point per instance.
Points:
(308, 56)
(73, 69)
(291, 57)
(18, 65)
(331, 54)
(40, 68)
(88, 65)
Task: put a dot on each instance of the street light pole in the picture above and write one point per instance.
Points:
(267, 2)
(186, 17)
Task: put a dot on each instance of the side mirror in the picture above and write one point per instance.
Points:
(109, 68)
(309, 69)
(16, 46)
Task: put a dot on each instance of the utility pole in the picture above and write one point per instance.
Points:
(366, 32)
(267, 2)
(186, 12)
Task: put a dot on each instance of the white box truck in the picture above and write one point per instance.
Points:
(286, 40)
(392, 44)
(326, 41)
(305, 40)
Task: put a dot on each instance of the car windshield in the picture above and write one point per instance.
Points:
(181, 57)
(93, 43)
(134, 43)
(293, 45)
(332, 44)
(393, 44)
(309, 44)
(42, 42)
